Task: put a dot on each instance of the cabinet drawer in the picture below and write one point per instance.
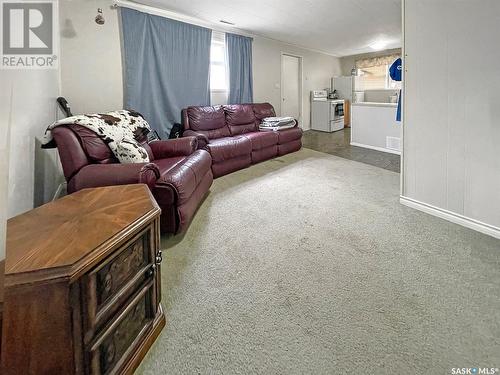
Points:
(119, 339)
(113, 281)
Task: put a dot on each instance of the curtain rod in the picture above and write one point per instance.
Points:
(178, 17)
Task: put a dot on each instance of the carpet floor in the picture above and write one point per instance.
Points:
(308, 264)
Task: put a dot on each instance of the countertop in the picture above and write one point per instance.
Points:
(375, 104)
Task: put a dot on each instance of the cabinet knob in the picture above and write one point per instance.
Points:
(159, 257)
(151, 271)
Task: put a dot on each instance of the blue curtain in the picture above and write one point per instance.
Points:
(239, 52)
(166, 67)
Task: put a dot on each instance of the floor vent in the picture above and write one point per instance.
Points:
(393, 143)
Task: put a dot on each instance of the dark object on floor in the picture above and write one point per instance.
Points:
(63, 103)
(176, 131)
(178, 174)
(338, 144)
(83, 291)
(231, 134)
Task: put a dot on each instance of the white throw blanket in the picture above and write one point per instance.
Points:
(277, 123)
(118, 129)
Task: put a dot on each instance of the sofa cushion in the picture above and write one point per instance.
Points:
(229, 147)
(240, 118)
(263, 110)
(96, 149)
(210, 121)
(262, 140)
(289, 135)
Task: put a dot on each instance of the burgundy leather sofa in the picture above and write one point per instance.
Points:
(231, 134)
(179, 174)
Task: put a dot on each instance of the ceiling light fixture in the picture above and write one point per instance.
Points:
(377, 46)
(226, 22)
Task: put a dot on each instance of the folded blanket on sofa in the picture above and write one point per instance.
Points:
(277, 123)
(276, 128)
(118, 129)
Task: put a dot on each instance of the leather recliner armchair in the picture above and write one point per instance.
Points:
(178, 174)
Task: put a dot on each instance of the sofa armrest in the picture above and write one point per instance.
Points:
(185, 176)
(97, 175)
(174, 147)
(202, 138)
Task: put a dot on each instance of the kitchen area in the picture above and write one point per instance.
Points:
(355, 117)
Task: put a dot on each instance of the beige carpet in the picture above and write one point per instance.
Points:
(308, 264)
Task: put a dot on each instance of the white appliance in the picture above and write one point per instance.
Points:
(344, 86)
(326, 115)
(347, 89)
(358, 97)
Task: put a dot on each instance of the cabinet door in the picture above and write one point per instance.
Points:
(119, 340)
(347, 114)
(110, 284)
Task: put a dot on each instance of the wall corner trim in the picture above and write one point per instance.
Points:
(464, 221)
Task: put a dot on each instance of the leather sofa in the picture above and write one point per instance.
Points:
(179, 174)
(231, 134)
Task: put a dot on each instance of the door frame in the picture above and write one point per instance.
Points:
(301, 84)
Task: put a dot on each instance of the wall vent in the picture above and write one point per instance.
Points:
(393, 143)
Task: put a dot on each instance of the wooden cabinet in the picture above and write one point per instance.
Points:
(82, 284)
(347, 114)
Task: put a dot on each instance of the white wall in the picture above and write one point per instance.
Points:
(29, 176)
(28, 104)
(317, 68)
(452, 115)
(91, 69)
(91, 62)
(372, 125)
(379, 96)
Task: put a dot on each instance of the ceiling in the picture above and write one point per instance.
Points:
(337, 27)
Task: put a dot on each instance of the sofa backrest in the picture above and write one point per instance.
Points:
(227, 120)
(209, 121)
(263, 110)
(73, 157)
(79, 146)
(240, 118)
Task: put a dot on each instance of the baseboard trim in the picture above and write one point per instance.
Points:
(376, 148)
(465, 221)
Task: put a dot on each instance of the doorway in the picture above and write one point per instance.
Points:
(291, 86)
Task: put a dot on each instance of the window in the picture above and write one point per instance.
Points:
(376, 78)
(373, 73)
(218, 68)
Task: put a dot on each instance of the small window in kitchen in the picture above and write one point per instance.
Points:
(218, 69)
(373, 74)
(376, 78)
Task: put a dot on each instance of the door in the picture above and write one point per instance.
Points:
(291, 86)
